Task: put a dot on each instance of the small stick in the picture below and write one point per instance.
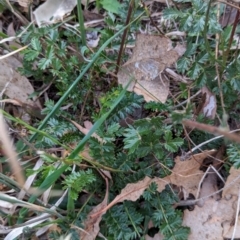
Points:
(212, 129)
(130, 9)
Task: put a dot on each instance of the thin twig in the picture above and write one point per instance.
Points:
(228, 3)
(149, 15)
(226, 53)
(217, 66)
(188, 154)
(194, 201)
(204, 176)
(17, 14)
(130, 9)
(186, 101)
(212, 129)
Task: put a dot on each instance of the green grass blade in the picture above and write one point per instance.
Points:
(81, 22)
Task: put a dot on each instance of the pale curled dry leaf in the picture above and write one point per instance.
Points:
(35, 220)
(53, 11)
(24, 3)
(28, 183)
(92, 39)
(151, 55)
(4, 205)
(210, 104)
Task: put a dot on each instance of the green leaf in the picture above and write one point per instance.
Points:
(195, 71)
(132, 139)
(44, 63)
(187, 22)
(111, 5)
(199, 25)
(202, 58)
(172, 13)
(76, 181)
(172, 144)
(36, 45)
(30, 55)
(183, 64)
(191, 48)
(235, 83)
(202, 79)
(50, 52)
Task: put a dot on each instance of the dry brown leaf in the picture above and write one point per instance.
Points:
(13, 84)
(86, 130)
(131, 192)
(185, 174)
(87, 124)
(11, 33)
(151, 55)
(210, 105)
(91, 225)
(90, 16)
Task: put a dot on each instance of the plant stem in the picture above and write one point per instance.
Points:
(81, 22)
(130, 9)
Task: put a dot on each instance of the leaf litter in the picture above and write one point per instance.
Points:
(213, 220)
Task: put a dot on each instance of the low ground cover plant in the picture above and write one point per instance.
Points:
(100, 160)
